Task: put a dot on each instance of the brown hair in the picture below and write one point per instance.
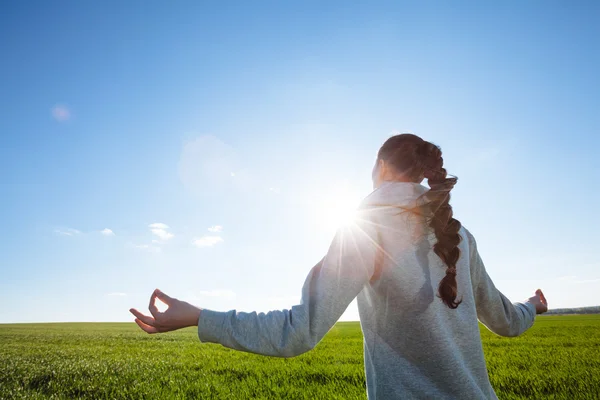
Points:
(416, 159)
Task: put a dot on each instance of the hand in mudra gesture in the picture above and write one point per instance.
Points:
(179, 314)
(539, 301)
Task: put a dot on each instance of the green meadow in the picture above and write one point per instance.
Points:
(559, 358)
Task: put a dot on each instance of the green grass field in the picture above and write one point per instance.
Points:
(559, 358)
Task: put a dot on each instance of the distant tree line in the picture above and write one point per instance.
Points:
(580, 310)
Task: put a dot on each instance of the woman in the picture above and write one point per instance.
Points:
(420, 283)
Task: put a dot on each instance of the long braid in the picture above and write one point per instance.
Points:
(445, 227)
(416, 159)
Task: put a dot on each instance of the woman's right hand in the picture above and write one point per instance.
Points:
(539, 301)
(179, 314)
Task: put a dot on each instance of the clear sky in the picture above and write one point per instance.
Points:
(209, 149)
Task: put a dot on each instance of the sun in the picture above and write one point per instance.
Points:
(335, 214)
(336, 208)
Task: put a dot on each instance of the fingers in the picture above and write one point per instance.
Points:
(146, 328)
(163, 297)
(542, 304)
(143, 318)
(152, 306)
(542, 297)
(156, 322)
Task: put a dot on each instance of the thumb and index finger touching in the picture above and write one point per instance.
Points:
(542, 297)
(168, 300)
(542, 306)
(158, 294)
(152, 306)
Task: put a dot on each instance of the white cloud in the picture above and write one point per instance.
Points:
(215, 229)
(61, 113)
(67, 232)
(207, 241)
(161, 233)
(116, 294)
(223, 293)
(107, 232)
(274, 190)
(158, 225)
(159, 229)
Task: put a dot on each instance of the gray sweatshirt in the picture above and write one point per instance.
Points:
(415, 347)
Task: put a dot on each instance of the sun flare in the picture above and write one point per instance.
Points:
(337, 208)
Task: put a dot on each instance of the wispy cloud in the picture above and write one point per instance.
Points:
(159, 229)
(215, 229)
(207, 241)
(274, 190)
(107, 232)
(158, 225)
(67, 232)
(161, 233)
(61, 113)
(223, 293)
(116, 294)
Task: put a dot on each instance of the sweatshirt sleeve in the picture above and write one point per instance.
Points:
(494, 310)
(327, 291)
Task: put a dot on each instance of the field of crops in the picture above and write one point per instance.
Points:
(559, 358)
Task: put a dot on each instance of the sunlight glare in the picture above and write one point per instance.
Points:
(337, 208)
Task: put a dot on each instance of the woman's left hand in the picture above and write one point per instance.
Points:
(179, 314)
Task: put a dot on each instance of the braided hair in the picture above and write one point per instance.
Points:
(417, 159)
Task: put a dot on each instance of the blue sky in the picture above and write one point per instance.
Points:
(208, 149)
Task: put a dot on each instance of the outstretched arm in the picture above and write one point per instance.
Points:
(495, 310)
(328, 290)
